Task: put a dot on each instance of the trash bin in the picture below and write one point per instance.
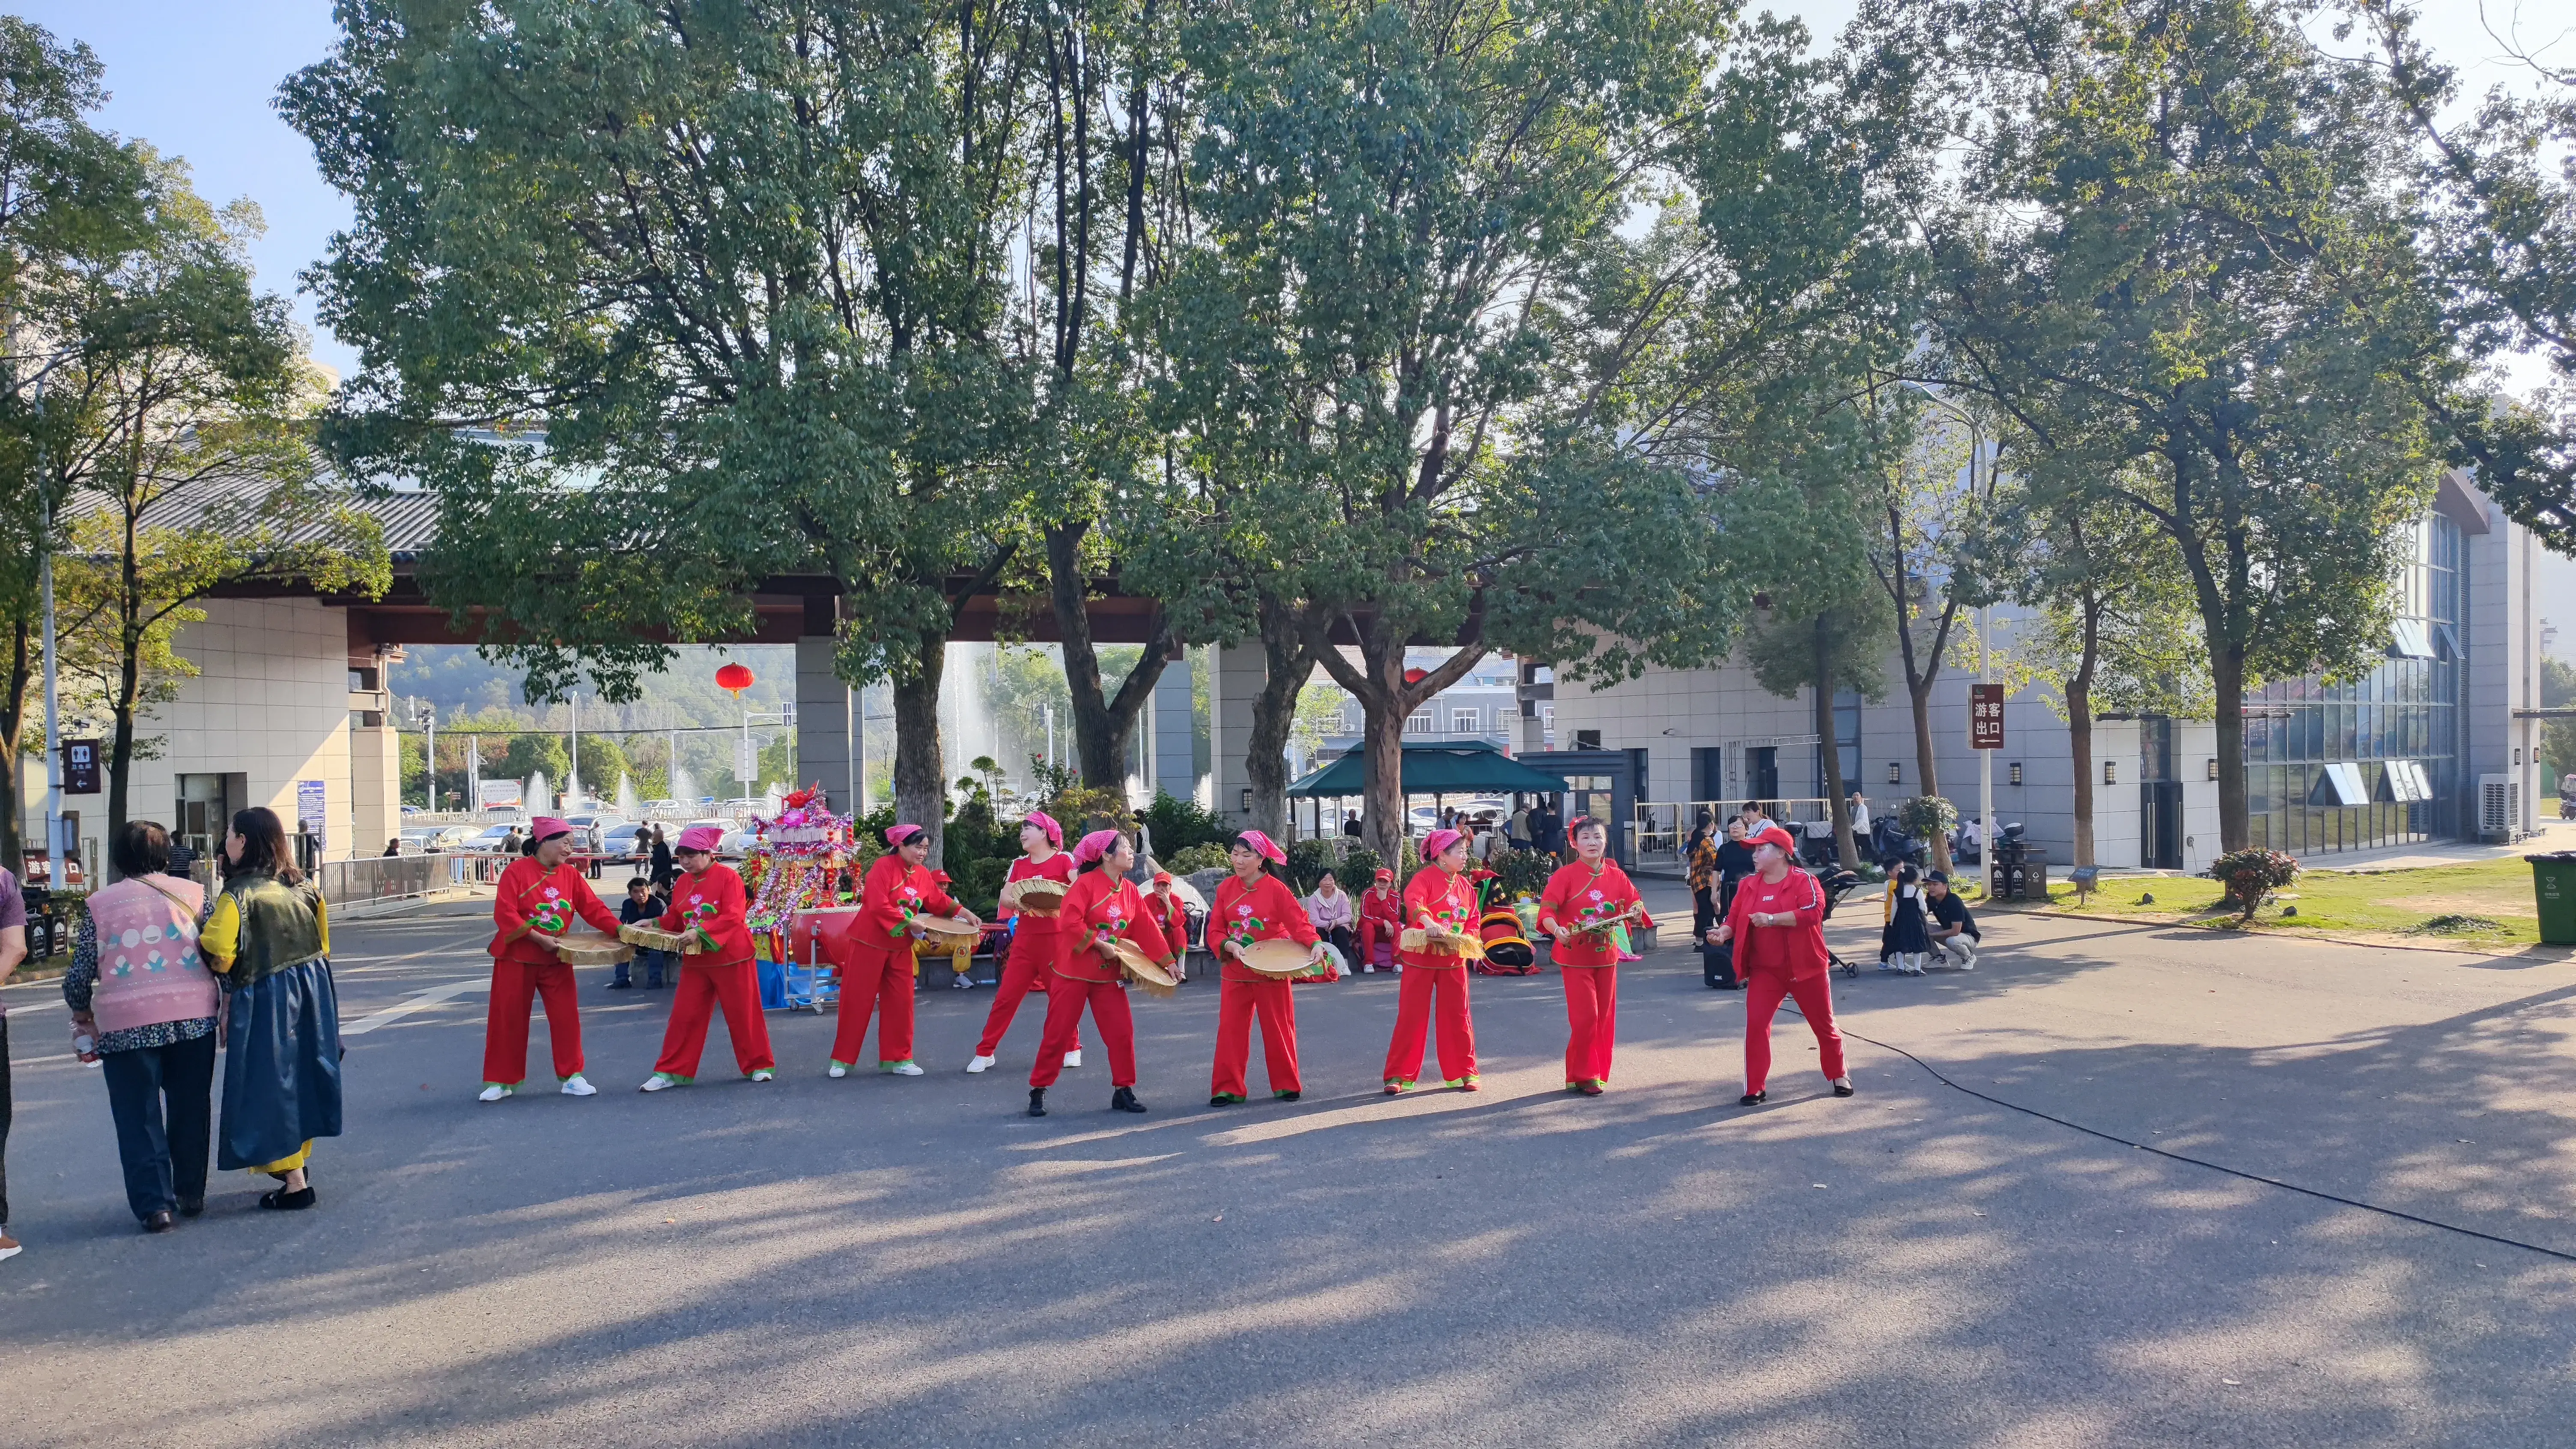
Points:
(2553, 885)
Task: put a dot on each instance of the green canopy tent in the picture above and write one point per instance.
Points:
(1436, 768)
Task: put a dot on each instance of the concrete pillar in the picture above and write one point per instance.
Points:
(1237, 678)
(824, 722)
(1174, 727)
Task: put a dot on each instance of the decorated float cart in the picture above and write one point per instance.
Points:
(798, 876)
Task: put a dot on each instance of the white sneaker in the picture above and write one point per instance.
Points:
(763, 1074)
(905, 1069)
(10, 1247)
(980, 1064)
(574, 1086)
(495, 1091)
(657, 1082)
(839, 1071)
(1073, 1058)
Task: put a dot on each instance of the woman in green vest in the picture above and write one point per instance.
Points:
(268, 936)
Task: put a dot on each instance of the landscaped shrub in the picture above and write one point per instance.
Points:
(1191, 858)
(1926, 816)
(2250, 875)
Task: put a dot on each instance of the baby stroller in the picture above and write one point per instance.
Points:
(1837, 883)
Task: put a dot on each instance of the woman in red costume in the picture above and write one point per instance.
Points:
(1381, 918)
(1435, 978)
(1101, 910)
(1254, 905)
(898, 887)
(708, 897)
(1777, 920)
(1583, 902)
(1038, 941)
(537, 898)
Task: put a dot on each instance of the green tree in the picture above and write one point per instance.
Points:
(748, 265)
(2175, 257)
(528, 753)
(1823, 643)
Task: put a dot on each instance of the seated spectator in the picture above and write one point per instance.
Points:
(1954, 930)
(643, 904)
(1333, 914)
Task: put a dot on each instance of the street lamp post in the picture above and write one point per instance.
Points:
(429, 750)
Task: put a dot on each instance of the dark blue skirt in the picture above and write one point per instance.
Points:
(281, 1066)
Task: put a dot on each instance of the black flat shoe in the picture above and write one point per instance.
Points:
(1037, 1101)
(1844, 1089)
(621, 985)
(285, 1201)
(1753, 1099)
(1124, 1100)
(160, 1222)
(191, 1207)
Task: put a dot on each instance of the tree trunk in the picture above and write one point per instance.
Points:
(1104, 727)
(1923, 762)
(920, 775)
(1286, 664)
(1383, 818)
(2079, 728)
(2227, 678)
(1836, 789)
(13, 733)
(129, 693)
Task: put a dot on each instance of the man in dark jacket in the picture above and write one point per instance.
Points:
(1953, 930)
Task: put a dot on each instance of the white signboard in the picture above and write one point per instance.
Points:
(312, 809)
(498, 795)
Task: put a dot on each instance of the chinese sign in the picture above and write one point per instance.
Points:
(1986, 716)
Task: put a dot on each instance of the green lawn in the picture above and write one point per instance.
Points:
(2390, 902)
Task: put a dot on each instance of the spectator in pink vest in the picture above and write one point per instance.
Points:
(138, 988)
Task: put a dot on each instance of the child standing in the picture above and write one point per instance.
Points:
(1904, 945)
(642, 904)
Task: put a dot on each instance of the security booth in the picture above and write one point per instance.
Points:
(1604, 784)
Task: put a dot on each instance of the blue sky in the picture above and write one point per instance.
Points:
(198, 79)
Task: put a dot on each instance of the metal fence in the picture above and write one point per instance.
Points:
(1658, 827)
(407, 877)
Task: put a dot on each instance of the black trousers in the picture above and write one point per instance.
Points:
(1703, 913)
(163, 1150)
(1344, 942)
(4, 1121)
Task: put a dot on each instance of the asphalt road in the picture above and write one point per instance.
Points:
(911, 1262)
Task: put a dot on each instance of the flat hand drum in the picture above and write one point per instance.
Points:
(1035, 893)
(1465, 948)
(589, 948)
(1145, 971)
(1277, 958)
(942, 930)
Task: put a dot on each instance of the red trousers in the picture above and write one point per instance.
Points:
(505, 1031)
(1031, 964)
(875, 978)
(1762, 999)
(1430, 996)
(1591, 1020)
(1237, 1002)
(734, 986)
(1108, 1002)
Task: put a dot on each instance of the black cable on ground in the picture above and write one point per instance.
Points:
(1936, 1075)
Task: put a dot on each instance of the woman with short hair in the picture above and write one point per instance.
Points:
(1254, 905)
(1585, 903)
(140, 991)
(268, 935)
(1100, 912)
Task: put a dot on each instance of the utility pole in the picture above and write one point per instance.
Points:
(573, 698)
(57, 871)
(429, 751)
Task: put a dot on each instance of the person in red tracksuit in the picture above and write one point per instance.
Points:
(1381, 918)
(537, 897)
(1038, 941)
(1435, 981)
(1777, 920)
(898, 887)
(708, 897)
(1168, 916)
(1102, 908)
(1254, 905)
(1591, 889)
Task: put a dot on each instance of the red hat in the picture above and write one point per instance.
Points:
(545, 827)
(1774, 836)
(1046, 824)
(897, 835)
(1095, 845)
(1263, 846)
(699, 837)
(1386, 873)
(1438, 841)
(1162, 877)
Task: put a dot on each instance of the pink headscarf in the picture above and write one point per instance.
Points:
(1095, 845)
(699, 837)
(901, 833)
(1046, 823)
(546, 827)
(1263, 846)
(1438, 841)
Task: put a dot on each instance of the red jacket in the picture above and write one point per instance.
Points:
(1265, 911)
(1103, 906)
(1034, 925)
(1172, 918)
(1385, 907)
(1577, 893)
(892, 893)
(714, 902)
(1792, 951)
(550, 898)
(1434, 896)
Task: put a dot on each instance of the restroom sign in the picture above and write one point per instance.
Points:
(1985, 716)
(80, 767)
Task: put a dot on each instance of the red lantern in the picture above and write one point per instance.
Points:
(734, 677)
(1416, 676)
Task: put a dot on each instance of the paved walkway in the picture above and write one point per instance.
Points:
(2008, 1259)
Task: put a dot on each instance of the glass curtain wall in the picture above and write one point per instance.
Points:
(2375, 761)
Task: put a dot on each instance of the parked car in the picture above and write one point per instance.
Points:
(491, 836)
(619, 839)
(411, 810)
(422, 840)
(455, 837)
